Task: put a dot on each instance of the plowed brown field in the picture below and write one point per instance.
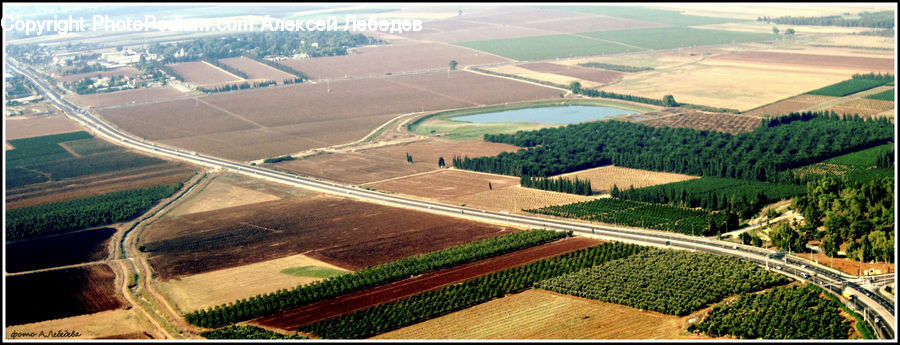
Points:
(591, 74)
(727, 123)
(293, 318)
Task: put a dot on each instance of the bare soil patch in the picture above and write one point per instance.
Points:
(446, 185)
(256, 70)
(296, 317)
(591, 74)
(541, 314)
(604, 178)
(110, 324)
(27, 127)
(515, 198)
(870, 64)
(339, 231)
(219, 194)
(143, 95)
(201, 73)
(793, 104)
(61, 293)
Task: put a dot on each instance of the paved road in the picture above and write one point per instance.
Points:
(870, 305)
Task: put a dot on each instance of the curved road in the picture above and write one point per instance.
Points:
(866, 303)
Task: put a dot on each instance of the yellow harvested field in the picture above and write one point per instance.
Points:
(760, 27)
(858, 41)
(110, 324)
(540, 314)
(515, 198)
(637, 59)
(603, 178)
(553, 78)
(227, 285)
(27, 127)
(725, 85)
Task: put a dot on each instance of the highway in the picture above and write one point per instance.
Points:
(867, 303)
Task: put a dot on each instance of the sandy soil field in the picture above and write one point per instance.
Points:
(603, 178)
(111, 324)
(27, 127)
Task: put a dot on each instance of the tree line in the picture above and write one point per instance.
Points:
(237, 86)
(880, 19)
(559, 184)
(83, 213)
(763, 154)
(261, 305)
(417, 308)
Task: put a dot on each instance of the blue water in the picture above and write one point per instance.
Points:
(547, 115)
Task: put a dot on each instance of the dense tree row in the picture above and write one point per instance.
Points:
(279, 159)
(237, 86)
(85, 68)
(17, 87)
(263, 44)
(860, 214)
(742, 197)
(576, 88)
(560, 184)
(880, 19)
(885, 159)
(247, 332)
(645, 215)
(863, 327)
(83, 213)
(284, 68)
(614, 67)
(666, 281)
(763, 316)
(761, 154)
(385, 317)
(270, 303)
(88, 86)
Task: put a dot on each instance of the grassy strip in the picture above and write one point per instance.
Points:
(886, 95)
(614, 67)
(366, 278)
(427, 305)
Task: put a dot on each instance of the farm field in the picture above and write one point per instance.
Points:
(552, 46)
(603, 178)
(62, 250)
(849, 64)
(514, 199)
(542, 314)
(213, 288)
(121, 71)
(293, 318)
(517, 70)
(256, 70)
(143, 95)
(721, 122)
(387, 162)
(445, 185)
(202, 73)
(300, 117)
(515, 22)
(656, 15)
(790, 105)
(232, 190)
(61, 293)
(318, 226)
(26, 127)
(583, 73)
(864, 158)
(865, 107)
(110, 324)
(668, 38)
(398, 58)
(725, 86)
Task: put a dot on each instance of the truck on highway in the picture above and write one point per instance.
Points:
(847, 294)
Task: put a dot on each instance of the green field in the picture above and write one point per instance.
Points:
(313, 272)
(649, 15)
(547, 47)
(667, 38)
(847, 87)
(886, 95)
(864, 158)
(42, 159)
(438, 124)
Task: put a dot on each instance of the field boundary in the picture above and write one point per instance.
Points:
(223, 70)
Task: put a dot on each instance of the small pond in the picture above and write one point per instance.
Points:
(548, 115)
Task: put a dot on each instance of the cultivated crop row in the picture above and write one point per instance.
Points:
(261, 305)
(393, 315)
(859, 82)
(644, 215)
(669, 282)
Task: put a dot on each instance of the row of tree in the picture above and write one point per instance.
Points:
(763, 154)
(261, 305)
(559, 184)
(83, 213)
(237, 86)
(229, 69)
(417, 308)
(666, 101)
(880, 19)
